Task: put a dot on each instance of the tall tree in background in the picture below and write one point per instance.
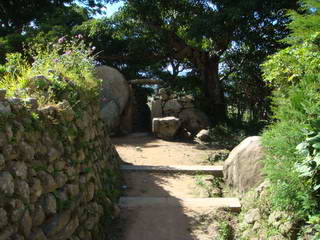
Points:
(199, 32)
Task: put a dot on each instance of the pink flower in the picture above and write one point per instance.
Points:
(79, 36)
(61, 40)
(67, 52)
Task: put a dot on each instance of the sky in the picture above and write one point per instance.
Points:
(110, 9)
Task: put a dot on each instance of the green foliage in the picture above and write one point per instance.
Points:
(294, 74)
(309, 168)
(64, 70)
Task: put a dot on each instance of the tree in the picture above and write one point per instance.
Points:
(200, 32)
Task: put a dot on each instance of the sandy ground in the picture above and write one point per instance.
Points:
(158, 222)
(140, 149)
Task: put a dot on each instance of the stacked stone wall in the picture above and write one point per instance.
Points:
(58, 171)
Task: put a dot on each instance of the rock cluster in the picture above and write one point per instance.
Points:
(57, 171)
(191, 119)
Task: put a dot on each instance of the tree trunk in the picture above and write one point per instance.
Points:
(209, 74)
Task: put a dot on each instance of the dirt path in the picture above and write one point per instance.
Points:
(142, 149)
(162, 214)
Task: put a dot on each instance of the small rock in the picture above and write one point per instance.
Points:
(22, 190)
(56, 224)
(19, 169)
(38, 216)
(6, 183)
(35, 190)
(3, 218)
(203, 135)
(3, 93)
(47, 181)
(252, 216)
(2, 162)
(18, 210)
(27, 151)
(53, 154)
(50, 204)
(31, 103)
(276, 217)
(5, 108)
(38, 235)
(26, 224)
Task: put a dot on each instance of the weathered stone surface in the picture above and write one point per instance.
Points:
(31, 103)
(252, 216)
(73, 190)
(47, 181)
(22, 190)
(19, 169)
(194, 120)
(60, 179)
(27, 151)
(3, 218)
(156, 109)
(38, 215)
(68, 230)
(35, 190)
(51, 167)
(56, 224)
(26, 224)
(50, 204)
(53, 154)
(2, 162)
(18, 210)
(6, 183)
(115, 87)
(163, 93)
(5, 108)
(203, 135)
(3, 93)
(243, 168)
(172, 108)
(110, 113)
(38, 235)
(6, 233)
(166, 128)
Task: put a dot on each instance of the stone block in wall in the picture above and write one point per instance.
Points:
(156, 109)
(172, 108)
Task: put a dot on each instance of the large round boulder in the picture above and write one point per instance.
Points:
(110, 113)
(194, 120)
(114, 87)
(243, 168)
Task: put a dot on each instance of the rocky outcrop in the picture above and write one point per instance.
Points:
(166, 128)
(243, 168)
(58, 170)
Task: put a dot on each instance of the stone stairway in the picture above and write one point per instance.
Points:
(159, 206)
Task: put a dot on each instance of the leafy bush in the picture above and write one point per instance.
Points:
(62, 70)
(294, 73)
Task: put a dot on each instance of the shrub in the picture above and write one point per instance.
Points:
(62, 70)
(294, 73)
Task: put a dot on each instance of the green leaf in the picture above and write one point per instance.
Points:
(316, 145)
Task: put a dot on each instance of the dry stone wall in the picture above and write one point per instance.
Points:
(191, 119)
(58, 171)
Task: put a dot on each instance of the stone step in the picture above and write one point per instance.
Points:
(192, 169)
(190, 203)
